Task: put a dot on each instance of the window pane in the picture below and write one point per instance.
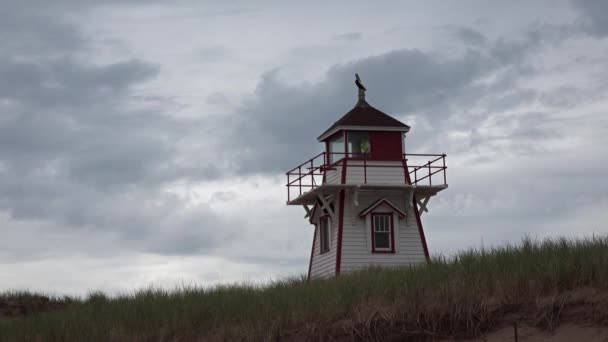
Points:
(324, 235)
(382, 223)
(358, 144)
(336, 149)
(382, 240)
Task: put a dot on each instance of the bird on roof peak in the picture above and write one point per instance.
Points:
(358, 82)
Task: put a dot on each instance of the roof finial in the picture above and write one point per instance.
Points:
(362, 90)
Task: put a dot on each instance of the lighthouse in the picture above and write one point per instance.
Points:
(364, 195)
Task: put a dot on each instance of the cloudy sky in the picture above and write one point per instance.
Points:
(146, 142)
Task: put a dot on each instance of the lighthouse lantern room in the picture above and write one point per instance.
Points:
(364, 194)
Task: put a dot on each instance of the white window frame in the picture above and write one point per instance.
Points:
(387, 227)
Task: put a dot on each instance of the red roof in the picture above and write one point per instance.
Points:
(364, 115)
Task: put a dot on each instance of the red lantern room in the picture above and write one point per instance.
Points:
(365, 133)
(364, 195)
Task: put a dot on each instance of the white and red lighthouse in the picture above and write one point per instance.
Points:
(364, 195)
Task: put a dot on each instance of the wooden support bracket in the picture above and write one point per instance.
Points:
(325, 205)
(422, 203)
(308, 210)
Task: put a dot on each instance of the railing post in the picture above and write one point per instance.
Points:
(312, 175)
(415, 175)
(430, 183)
(444, 178)
(300, 179)
(288, 188)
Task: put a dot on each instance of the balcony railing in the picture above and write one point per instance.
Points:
(426, 169)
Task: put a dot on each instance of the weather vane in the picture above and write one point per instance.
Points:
(361, 87)
(358, 83)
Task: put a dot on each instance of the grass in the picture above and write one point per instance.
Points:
(462, 296)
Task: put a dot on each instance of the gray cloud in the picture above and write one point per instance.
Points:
(74, 153)
(65, 82)
(403, 82)
(469, 36)
(214, 54)
(594, 20)
(90, 154)
(348, 37)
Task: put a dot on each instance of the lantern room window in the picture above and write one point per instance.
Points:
(336, 149)
(382, 233)
(359, 145)
(324, 234)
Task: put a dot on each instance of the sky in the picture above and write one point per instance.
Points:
(145, 143)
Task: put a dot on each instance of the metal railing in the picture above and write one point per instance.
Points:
(312, 173)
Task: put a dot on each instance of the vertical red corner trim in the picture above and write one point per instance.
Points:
(312, 252)
(345, 144)
(344, 165)
(340, 220)
(421, 230)
(408, 180)
(340, 228)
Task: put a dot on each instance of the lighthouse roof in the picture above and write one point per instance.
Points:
(365, 117)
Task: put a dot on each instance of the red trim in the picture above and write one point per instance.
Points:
(340, 228)
(377, 203)
(344, 164)
(392, 250)
(422, 237)
(345, 144)
(406, 174)
(340, 220)
(408, 180)
(320, 235)
(312, 252)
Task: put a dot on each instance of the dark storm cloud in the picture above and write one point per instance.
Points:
(74, 154)
(66, 82)
(469, 36)
(288, 115)
(72, 151)
(594, 16)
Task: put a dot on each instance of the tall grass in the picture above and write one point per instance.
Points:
(460, 296)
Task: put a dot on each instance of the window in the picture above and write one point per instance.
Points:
(324, 234)
(358, 144)
(336, 149)
(382, 233)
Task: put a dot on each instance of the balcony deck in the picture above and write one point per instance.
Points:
(317, 176)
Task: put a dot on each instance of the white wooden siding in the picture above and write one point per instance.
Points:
(334, 176)
(374, 172)
(356, 235)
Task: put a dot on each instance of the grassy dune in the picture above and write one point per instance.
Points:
(534, 283)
